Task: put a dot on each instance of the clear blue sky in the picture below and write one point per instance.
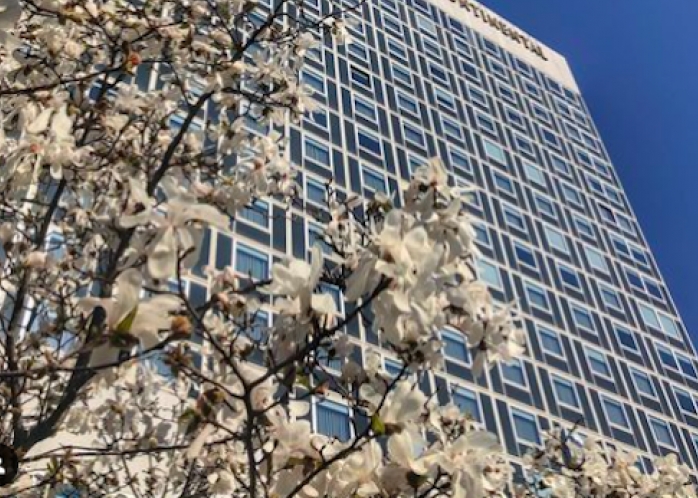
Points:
(636, 62)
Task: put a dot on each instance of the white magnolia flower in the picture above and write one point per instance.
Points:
(128, 314)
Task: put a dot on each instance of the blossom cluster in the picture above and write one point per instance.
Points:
(568, 467)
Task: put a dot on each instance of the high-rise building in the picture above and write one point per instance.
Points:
(426, 78)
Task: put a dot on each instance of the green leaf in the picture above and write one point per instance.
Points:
(377, 425)
(125, 325)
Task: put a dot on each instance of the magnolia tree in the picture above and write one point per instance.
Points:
(106, 190)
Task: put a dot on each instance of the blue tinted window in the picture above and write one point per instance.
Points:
(369, 142)
(251, 262)
(643, 383)
(360, 77)
(685, 400)
(537, 296)
(662, 432)
(545, 206)
(686, 366)
(514, 372)
(626, 338)
(566, 392)
(598, 363)
(526, 427)
(374, 180)
(489, 273)
(467, 401)
(257, 213)
(514, 219)
(583, 318)
(667, 358)
(551, 342)
(525, 256)
(616, 413)
(315, 191)
(494, 152)
(454, 346)
(333, 420)
(317, 152)
(569, 276)
(503, 183)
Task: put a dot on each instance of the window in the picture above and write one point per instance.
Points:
(666, 357)
(402, 75)
(467, 401)
(649, 316)
(368, 142)
(537, 297)
(451, 128)
(315, 81)
(438, 74)
(333, 420)
(445, 99)
(669, 326)
(482, 236)
(317, 152)
(685, 401)
(584, 227)
(556, 239)
(373, 180)
(571, 195)
(454, 346)
(569, 277)
(414, 135)
(426, 26)
(610, 298)
(514, 219)
(550, 342)
(686, 366)
(257, 214)
(490, 274)
(494, 152)
(634, 279)
(484, 123)
(525, 427)
(662, 433)
(565, 391)
(596, 260)
(504, 183)
(315, 191)
(224, 251)
(583, 319)
(545, 206)
(357, 50)
(615, 412)
(514, 373)
(316, 237)
(525, 256)
(643, 383)
(360, 77)
(626, 338)
(365, 109)
(654, 290)
(560, 165)
(459, 160)
(252, 262)
(524, 146)
(534, 174)
(407, 104)
(598, 363)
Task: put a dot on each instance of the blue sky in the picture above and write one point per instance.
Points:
(636, 62)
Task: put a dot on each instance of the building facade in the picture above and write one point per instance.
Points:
(426, 78)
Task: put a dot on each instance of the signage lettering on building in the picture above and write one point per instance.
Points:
(504, 28)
